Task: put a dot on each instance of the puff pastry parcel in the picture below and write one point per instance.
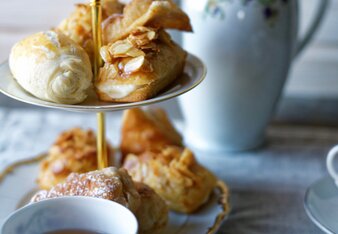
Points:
(110, 183)
(115, 185)
(140, 66)
(52, 67)
(175, 175)
(73, 151)
(148, 13)
(140, 57)
(147, 130)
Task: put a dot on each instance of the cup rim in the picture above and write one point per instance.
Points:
(83, 198)
(330, 158)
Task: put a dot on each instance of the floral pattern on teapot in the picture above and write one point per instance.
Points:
(217, 8)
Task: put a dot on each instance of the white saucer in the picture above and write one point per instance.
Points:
(321, 204)
(194, 73)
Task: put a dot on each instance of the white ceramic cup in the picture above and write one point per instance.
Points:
(330, 163)
(79, 213)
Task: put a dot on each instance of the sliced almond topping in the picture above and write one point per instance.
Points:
(128, 55)
(134, 64)
(120, 66)
(133, 52)
(105, 54)
(120, 48)
(142, 36)
(138, 41)
(151, 35)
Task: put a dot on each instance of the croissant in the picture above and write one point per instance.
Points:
(52, 67)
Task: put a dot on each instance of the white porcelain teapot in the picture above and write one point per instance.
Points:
(248, 47)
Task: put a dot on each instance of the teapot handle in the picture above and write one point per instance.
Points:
(323, 6)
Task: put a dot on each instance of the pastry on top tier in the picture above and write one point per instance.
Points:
(140, 58)
(163, 14)
(140, 66)
(52, 67)
(78, 26)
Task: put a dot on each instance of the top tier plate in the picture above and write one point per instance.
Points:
(194, 73)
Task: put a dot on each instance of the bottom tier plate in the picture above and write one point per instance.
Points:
(17, 185)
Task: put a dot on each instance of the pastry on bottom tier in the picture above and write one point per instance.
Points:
(153, 212)
(147, 130)
(139, 67)
(73, 151)
(175, 175)
(115, 185)
(110, 183)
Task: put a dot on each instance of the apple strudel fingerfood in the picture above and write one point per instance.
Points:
(140, 57)
(147, 130)
(110, 183)
(115, 185)
(140, 66)
(73, 151)
(175, 175)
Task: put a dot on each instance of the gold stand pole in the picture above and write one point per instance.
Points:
(102, 158)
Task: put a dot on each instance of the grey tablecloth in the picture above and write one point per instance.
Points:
(267, 185)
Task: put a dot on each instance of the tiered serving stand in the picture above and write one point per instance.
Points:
(194, 73)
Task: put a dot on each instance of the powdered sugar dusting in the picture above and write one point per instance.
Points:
(109, 183)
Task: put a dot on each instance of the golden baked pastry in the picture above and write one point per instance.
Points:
(140, 57)
(52, 67)
(175, 175)
(78, 26)
(152, 214)
(73, 151)
(110, 183)
(147, 130)
(115, 185)
(149, 13)
(139, 67)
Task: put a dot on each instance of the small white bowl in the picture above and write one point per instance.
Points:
(79, 213)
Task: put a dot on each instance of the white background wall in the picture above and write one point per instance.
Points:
(315, 72)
